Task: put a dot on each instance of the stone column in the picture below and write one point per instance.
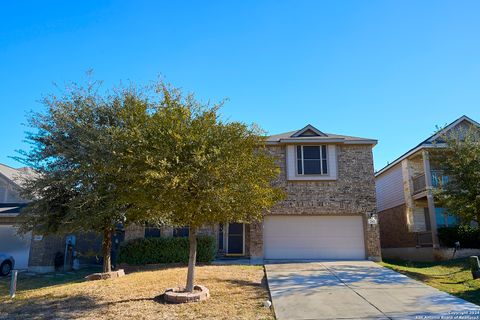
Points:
(256, 242)
(166, 231)
(134, 231)
(430, 200)
(374, 252)
(42, 253)
(408, 191)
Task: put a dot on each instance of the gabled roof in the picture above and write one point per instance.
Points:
(15, 175)
(11, 209)
(309, 131)
(429, 142)
(311, 134)
(449, 127)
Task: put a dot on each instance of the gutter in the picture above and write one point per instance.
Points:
(317, 140)
(408, 154)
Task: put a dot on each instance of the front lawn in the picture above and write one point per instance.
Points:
(237, 292)
(452, 276)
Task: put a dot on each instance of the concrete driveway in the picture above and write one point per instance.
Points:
(357, 290)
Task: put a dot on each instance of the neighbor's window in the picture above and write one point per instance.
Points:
(312, 160)
(181, 232)
(444, 219)
(152, 231)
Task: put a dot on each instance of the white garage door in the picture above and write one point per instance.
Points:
(314, 237)
(15, 245)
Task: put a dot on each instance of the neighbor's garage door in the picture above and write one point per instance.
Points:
(15, 245)
(314, 237)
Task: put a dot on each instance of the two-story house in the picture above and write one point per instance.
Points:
(10, 205)
(408, 215)
(33, 252)
(330, 196)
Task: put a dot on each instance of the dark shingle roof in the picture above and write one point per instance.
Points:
(428, 142)
(9, 209)
(291, 136)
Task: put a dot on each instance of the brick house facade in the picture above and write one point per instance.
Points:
(330, 196)
(345, 193)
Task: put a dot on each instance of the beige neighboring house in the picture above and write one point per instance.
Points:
(10, 205)
(35, 253)
(408, 215)
(330, 186)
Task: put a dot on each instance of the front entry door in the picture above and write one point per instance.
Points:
(235, 239)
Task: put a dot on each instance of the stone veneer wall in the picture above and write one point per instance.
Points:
(353, 193)
(256, 242)
(42, 252)
(394, 231)
(135, 231)
(8, 220)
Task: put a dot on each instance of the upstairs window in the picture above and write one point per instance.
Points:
(312, 160)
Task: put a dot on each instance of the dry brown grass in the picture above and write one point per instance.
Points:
(237, 292)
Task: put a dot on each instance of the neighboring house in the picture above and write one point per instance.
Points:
(408, 215)
(37, 252)
(10, 205)
(330, 187)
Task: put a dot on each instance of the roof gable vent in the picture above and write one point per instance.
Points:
(309, 131)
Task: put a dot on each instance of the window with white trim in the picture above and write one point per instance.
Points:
(312, 160)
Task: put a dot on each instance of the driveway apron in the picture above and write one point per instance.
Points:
(357, 290)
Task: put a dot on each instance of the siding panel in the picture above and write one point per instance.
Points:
(389, 188)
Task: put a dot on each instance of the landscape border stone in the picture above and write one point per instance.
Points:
(105, 275)
(178, 294)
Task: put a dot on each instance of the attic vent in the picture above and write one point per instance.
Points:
(309, 133)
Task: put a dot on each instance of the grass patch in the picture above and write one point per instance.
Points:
(26, 283)
(237, 292)
(452, 276)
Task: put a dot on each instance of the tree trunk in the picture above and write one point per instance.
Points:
(192, 239)
(107, 248)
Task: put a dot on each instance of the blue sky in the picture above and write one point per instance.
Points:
(390, 70)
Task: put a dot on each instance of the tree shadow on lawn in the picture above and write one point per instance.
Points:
(466, 289)
(32, 282)
(470, 295)
(460, 263)
(48, 307)
(158, 266)
(431, 277)
(260, 288)
(152, 267)
(245, 283)
(416, 275)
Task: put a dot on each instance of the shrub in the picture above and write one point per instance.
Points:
(165, 250)
(448, 236)
(468, 236)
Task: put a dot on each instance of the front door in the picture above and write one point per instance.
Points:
(235, 239)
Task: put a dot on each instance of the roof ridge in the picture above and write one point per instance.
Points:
(423, 143)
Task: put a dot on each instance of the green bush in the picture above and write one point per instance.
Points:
(468, 236)
(165, 250)
(448, 236)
